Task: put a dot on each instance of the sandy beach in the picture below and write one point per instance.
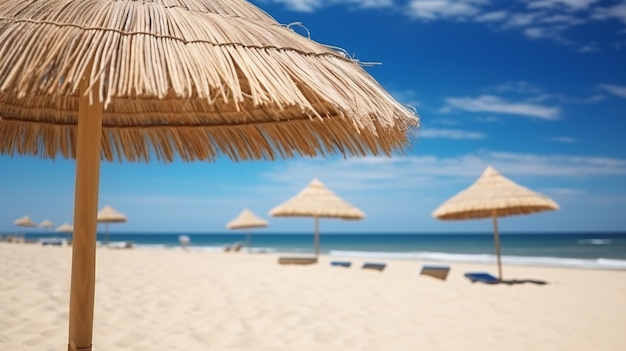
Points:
(176, 300)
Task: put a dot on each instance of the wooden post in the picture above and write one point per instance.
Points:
(496, 240)
(82, 288)
(317, 237)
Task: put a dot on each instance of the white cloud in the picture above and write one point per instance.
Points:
(537, 19)
(588, 48)
(436, 9)
(301, 5)
(429, 171)
(563, 139)
(617, 90)
(312, 5)
(456, 134)
(494, 16)
(494, 104)
(613, 12)
(567, 4)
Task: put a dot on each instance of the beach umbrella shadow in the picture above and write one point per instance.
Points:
(134, 81)
(493, 196)
(317, 201)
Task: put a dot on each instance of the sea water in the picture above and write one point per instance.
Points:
(580, 250)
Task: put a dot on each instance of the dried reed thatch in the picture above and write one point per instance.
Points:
(316, 200)
(187, 78)
(25, 222)
(110, 215)
(493, 194)
(246, 220)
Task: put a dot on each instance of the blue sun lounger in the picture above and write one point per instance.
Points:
(376, 266)
(346, 264)
(482, 277)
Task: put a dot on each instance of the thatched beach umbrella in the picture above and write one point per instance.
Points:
(25, 222)
(184, 79)
(493, 196)
(65, 228)
(110, 215)
(247, 220)
(317, 201)
(46, 224)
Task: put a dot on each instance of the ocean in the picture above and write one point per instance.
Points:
(579, 250)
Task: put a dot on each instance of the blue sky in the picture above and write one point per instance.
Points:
(537, 89)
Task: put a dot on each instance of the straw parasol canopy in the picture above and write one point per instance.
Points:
(181, 79)
(110, 215)
(316, 201)
(46, 224)
(25, 222)
(493, 196)
(247, 220)
(65, 228)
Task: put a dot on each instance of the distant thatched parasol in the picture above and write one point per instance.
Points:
(25, 222)
(247, 220)
(493, 196)
(110, 215)
(65, 228)
(317, 201)
(46, 224)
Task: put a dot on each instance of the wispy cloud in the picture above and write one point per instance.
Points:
(617, 90)
(539, 19)
(456, 134)
(312, 5)
(429, 171)
(438, 9)
(498, 105)
(563, 139)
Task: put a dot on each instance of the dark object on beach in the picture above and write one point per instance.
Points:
(438, 272)
(297, 260)
(346, 264)
(374, 266)
(487, 278)
(234, 247)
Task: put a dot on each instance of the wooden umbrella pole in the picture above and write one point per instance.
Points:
(82, 287)
(248, 241)
(496, 240)
(317, 237)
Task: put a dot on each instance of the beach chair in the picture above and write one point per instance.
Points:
(346, 264)
(297, 260)
(482, 277)
(374, 266)
(235, 247)
(438, 272)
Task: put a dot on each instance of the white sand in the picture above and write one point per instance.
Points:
(175, 300)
